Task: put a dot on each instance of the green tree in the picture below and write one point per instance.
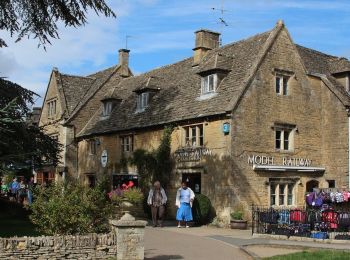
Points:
(71, 208)
(39, 18)
(157, 164)
(20, 143)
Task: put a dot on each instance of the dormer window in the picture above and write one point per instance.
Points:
(107, 108)
(142, 101)
(108, 104)
(209, 84)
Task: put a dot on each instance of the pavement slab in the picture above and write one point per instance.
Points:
(164, 244)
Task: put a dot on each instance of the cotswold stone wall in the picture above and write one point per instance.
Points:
(92, 246)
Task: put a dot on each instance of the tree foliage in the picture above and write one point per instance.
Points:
(21, 143)
(71, 209)
(157, 164)
(40, 17)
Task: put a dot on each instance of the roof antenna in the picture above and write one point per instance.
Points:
(126, 40)
(221, 20)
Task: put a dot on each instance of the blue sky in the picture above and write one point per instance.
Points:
(162, 32)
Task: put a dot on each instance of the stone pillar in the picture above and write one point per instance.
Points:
(130, 237)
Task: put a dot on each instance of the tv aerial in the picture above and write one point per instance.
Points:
(221, 19)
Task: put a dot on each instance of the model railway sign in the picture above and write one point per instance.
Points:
(190, 154)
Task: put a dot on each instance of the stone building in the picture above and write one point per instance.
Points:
(259, 121)
(69, 97)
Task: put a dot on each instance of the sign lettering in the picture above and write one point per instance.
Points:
(191, 154)
(286, 161)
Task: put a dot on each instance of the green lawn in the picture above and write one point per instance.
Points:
(317, 255)
(14, 221)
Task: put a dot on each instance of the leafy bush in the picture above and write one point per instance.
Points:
(202, 210)
(71, 209)
(133, 195)
(237, 215)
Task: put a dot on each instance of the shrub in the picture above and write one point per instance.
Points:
(202, 210)
(70, 209)
(133, 195)
(237, 215)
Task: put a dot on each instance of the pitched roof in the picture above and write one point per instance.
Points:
(318, 62)
(74, 87)
(179, 84)
(179, 94)
(99, 78)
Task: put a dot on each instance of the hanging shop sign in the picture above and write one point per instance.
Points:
(190, 154)
(104, 158)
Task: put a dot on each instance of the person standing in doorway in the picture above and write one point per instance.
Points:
(184, 200)
(157, 200)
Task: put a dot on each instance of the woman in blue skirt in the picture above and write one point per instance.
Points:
(184, 200)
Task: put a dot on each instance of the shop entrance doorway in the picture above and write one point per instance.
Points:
(310, 185)
(193, 181)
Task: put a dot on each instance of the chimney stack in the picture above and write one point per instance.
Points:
(205, 41)
(124, 62)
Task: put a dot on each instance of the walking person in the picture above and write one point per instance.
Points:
(184, 200)
(30, 191)
(22, 192)
(14, 189)
(157, 200)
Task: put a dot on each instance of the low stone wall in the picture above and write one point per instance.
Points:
(92, 246)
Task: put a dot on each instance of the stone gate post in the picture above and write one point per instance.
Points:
(130, 237)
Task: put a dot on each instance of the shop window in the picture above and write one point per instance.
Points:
(194, 135)
(281, 85)
(127, 143)
(142, 101)
(209, 84)
(282, 194)
(51, 108)
(283, 139)
(92, 147)
(45, 178)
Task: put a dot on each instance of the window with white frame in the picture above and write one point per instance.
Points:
(51, 108)
(281, 84)
(142, 101)
(92, 146)
(282, 194)
(283, 139)
(127, 143)
(107, 108)
(194, 135)
(209, 84)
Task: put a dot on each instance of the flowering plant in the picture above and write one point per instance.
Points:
(126, 192)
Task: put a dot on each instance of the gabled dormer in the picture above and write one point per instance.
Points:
(213, 69)
(145, 93)
(108, 104)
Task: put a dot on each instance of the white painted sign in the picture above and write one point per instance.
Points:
(189, 154)
(284, 161)
(104, 158)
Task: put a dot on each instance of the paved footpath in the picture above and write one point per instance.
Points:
(173, 243)
(219, 243)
